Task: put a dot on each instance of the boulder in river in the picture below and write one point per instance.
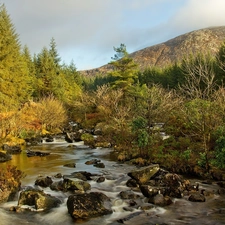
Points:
(4, 157)
(196, 197)
(38, 199)
(72, 185)
(15, 149)
(70, 165)
(160, 200)
(31, 153)
(44, 181)
(88, 205)
(144, 174)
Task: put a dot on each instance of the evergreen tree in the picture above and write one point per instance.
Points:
(54, 53)
(124, 69)
(14, 75)
(46, 73)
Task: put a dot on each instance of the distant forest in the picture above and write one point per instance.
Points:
(173, 115)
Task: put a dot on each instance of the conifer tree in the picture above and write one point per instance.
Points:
(14, 78)
(54, 53)
(124, 69)
(46, 72)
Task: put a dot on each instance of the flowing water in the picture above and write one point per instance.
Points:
(180, 212)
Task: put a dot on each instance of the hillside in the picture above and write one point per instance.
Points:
(203, 40)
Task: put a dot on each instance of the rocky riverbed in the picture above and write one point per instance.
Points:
(75, 183)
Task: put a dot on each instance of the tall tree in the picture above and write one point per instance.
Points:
(14, 75)
(124, 69)
(54, 53)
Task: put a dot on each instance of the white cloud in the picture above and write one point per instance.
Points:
(87, 30)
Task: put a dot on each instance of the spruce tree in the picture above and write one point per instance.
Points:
(124, 69)
(14, 75)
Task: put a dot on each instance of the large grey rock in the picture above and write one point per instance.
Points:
(88, 205)
(144, 174)
(38, 199)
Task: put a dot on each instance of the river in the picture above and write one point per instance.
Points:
(180, 212)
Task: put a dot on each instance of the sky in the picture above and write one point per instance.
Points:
(85, 31)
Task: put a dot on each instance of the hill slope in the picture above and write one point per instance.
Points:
(203, 40)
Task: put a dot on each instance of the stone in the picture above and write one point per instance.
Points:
(4, 157)
(197, 197)
(160, 200)
(44, 181)
(144, 174)
(38, 199)
(128, 195)
(75, 185)
(15, 149)
(88, 205)
(70, 165)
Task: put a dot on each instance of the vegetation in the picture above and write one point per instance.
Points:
(173, 115)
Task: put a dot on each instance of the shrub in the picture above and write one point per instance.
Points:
(10, 181)
(51, 112)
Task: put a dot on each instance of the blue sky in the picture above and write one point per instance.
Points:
(86, 31)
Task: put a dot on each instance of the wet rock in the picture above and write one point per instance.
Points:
(149, 191)
(100, 179)
(174, 185)
(131, 183)
(4, 157)
(92, 162)
(33, 140)
(128, 195)
(144, 174)
(160, 200)
(70, 165)
(49, 139)
(57, 186)
(82, 175)
(58, 175)
(88, 205)
(197, 197)
(38, 199)
(75, 185)
(99, 165)
(131, 216)
(146, 207)
(69, 137)
(44, 181)
(15, 149)
(221, 191)
(36, 153)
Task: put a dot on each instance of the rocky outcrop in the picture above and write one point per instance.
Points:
(88, 205)
(144, 174)
(204, 40)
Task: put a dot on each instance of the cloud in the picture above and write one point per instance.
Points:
(87, 30)
(199, 14)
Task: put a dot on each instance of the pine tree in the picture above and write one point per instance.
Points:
(14, 77)
(124, 69)
(54, 53)
(46, 73)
